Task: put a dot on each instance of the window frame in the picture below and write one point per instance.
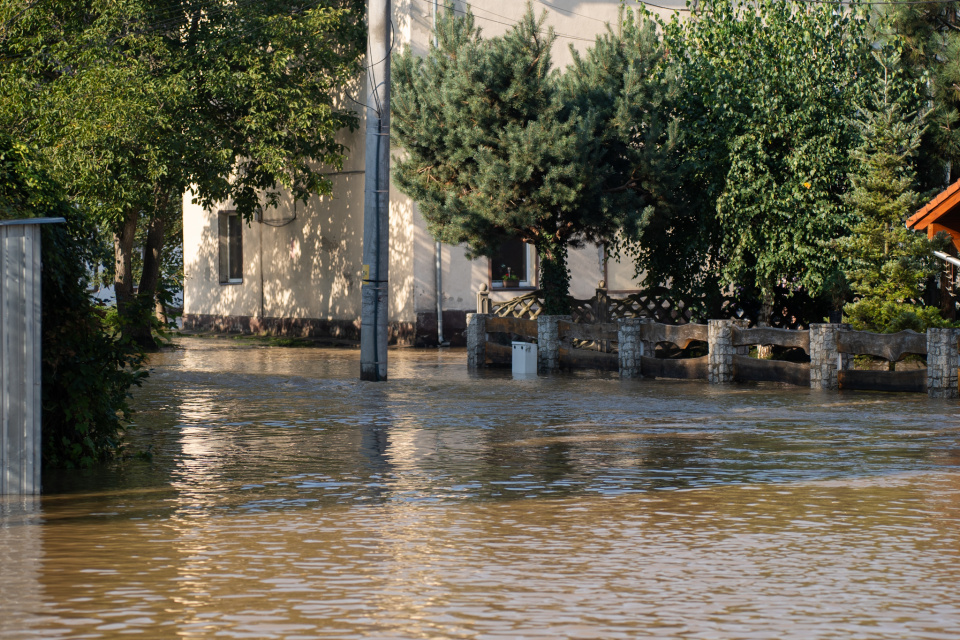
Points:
(223, 236)
(528, 283)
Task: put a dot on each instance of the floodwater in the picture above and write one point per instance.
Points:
(286, 499)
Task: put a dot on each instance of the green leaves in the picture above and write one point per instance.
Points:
(764, 96)
(889, 265)
(500, 145)
(132, 102)
(928, 38)
(86, 371)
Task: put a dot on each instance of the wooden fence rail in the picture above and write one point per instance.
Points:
(630, 346)
(679, 334)
(889, 346)
(771, 336)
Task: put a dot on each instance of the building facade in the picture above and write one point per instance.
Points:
(297, 271)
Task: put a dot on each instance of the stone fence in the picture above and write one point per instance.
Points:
(629, 345)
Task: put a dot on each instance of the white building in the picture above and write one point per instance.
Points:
(298, 271)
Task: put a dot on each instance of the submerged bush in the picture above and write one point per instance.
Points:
(87, 371)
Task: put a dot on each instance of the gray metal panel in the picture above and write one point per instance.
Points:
(4, 373)
(32, 350)
(30, 221)
(19, 359)
(13, 338)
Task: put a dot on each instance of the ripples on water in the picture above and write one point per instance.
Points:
(287, 499)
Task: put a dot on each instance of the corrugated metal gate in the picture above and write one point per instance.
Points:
(20, 341)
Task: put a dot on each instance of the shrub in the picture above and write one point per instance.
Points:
(86, 370)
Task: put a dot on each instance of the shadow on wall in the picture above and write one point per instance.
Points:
(301, 270)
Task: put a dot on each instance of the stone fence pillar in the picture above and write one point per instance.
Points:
(632, 346)
(942, 362)
(720, 360)
(548, 342)
(825, 360)
(483, 300)
(476, 340)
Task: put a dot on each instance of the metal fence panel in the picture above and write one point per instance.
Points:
(20, 359)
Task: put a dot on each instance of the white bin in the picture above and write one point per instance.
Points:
(524, 358)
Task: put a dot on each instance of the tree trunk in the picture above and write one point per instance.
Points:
(554, 277)
(123, 267)
(142, 331)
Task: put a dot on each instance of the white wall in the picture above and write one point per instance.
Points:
(310, 268)
(462, 278)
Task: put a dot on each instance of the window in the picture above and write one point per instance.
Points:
(231, 247)
(514, 258)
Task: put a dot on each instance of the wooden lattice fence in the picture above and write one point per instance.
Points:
(787, 311)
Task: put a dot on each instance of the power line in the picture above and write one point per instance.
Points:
(650, 4)
(579, 15)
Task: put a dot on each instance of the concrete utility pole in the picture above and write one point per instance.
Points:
(438, 248)
(376, 201)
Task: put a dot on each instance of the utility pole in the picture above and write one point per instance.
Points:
(438, 248)
(376, 201)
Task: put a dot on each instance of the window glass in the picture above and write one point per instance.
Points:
(235, 227)
(231, 247)
(513, 258)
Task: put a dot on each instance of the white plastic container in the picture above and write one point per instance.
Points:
(524, 358)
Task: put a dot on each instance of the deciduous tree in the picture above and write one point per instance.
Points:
(134, 101)
(87, 370)
(765, 94)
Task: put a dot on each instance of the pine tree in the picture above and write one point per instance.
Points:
(890, 264)
(499, 146)
(930, 36)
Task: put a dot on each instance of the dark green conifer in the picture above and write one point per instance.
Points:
(890, 264)
(929, 34)
(500, 146)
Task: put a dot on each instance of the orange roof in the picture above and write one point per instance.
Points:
(944, 203)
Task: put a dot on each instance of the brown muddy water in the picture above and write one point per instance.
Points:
(286, 499)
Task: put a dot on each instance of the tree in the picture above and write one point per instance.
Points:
(889, 264)
(930, 36)
(628, 92)
(87, 371)
(134, 101)
(498, 145)
(765, 93)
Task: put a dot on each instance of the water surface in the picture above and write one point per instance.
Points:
(286, 499)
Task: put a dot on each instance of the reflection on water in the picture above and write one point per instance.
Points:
(286, 499)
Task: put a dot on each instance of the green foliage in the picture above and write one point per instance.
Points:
(765, 92)
(930, 37)
(86, 371)
(134, 101)
(890, 316)
(499, 145)
(889, 264)
(231, 97)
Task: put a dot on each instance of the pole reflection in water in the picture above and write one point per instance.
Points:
(288, 500)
